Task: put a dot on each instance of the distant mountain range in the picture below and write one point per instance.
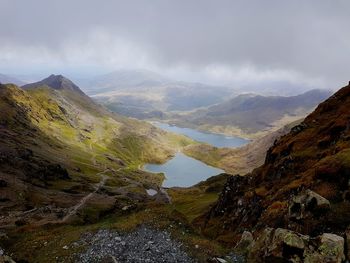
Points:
(139, 93)
(5, 79)
(144, 94)
(251, 114)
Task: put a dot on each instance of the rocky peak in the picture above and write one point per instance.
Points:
(57, 82)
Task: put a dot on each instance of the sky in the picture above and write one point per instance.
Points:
(225, 42)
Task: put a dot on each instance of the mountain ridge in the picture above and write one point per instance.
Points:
(251, 115)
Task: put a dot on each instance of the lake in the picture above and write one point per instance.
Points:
(214, 139)
(183, 171)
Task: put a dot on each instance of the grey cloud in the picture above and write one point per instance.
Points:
(308, 38)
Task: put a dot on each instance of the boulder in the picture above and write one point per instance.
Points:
(307, 203)
(4, 258)
(282, 245)
(314, 200)
(260, 247)
(245, 244)
(347, 242)
(330, 250)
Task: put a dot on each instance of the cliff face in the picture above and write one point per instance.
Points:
(303, 184)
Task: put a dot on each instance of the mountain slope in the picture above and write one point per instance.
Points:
(57, 146)
(251, 115)
(302, 186)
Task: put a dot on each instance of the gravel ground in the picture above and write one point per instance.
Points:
(142, 245)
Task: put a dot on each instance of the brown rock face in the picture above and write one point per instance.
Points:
(302, 186)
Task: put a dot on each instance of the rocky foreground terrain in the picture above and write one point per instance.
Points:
(143, 245)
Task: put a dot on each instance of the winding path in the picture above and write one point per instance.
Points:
(73, 210)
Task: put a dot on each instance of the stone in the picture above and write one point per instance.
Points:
(315, 200)
(306, 203)
(347, 242)
(6, 259)
(133, 248)
(125, 208)
(332, 247)
(287, 244)
(245, 244)
(282, 245)
(260, 246)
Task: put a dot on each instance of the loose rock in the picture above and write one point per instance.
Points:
(142, 245)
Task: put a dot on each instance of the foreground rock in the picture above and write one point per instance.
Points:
(4, 258)
(282, 245)
(143, 245)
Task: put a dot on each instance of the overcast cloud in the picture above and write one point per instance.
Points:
(218, 41)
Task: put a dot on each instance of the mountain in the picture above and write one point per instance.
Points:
(300, 195)
(140, 93)
(57, 82)
(58, 149)
(5, 79)
(251, 115)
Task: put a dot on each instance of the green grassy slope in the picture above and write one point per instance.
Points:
(43, 128)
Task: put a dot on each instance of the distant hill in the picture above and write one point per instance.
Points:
(250, 114)
(5, 79)
(124, 79)
(136, 93)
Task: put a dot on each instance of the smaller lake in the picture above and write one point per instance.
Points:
(214, 139)
(183, 171)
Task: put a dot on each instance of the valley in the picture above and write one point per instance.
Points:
(68, 165)
(149, 96)
(174, 131)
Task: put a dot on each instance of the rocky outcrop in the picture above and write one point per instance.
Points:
(282, 245)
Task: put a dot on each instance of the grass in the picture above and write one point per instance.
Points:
(192, 202)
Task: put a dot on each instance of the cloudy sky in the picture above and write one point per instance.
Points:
(227, 42)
